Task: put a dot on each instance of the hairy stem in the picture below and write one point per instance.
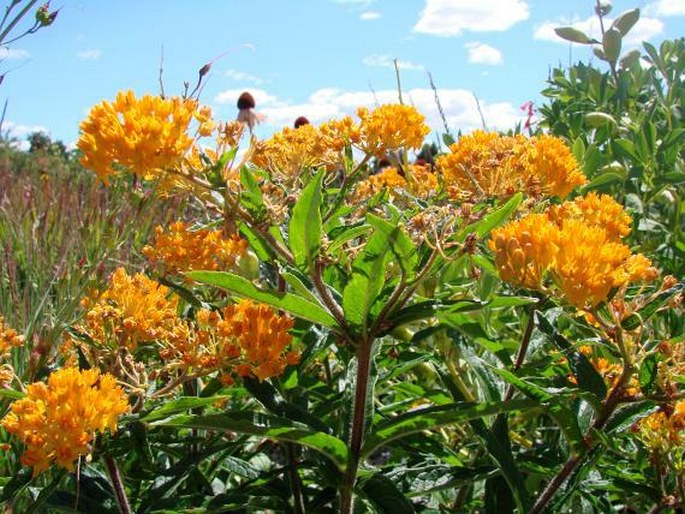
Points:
(117, 484)
(358, 425)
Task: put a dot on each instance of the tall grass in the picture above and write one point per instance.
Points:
(62, 233)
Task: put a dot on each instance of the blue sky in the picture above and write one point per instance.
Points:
(316, 58)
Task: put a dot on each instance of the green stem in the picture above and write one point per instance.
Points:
(16, 19)
(117, 484)
(358, 425)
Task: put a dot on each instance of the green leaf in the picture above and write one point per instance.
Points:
(435, 417)
(494, 219)
(585, 373)
(182, 404)
(368, 277)
(636, 319)
(348, 234)
(295, 305)
(648, 373)
(597, 119)
(383, 493)
(611, 44)
(627, 416)
(12, 394)
(626, 21)
(304, 231)
(448, 139)
(400, 244)
(269, 427)
(573, 35)
(251, 196)
(603, 180)
(299, 287)
(566, 420)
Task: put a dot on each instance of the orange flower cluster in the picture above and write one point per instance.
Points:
(143, 135)
(133, 310)
(610, 372)
(247, 338)
(421, 183)
(391, 127)
(9, 338)
(57, 421)
(583, 256)
(664, 430)
(180, 249)
(288, 152)
(491, 165)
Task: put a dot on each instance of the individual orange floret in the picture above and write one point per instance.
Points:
(180, 249)
(58, 421)
(391, 127)
(131, 311)
(142, 135)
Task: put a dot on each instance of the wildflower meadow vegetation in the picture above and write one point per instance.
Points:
(346, 318)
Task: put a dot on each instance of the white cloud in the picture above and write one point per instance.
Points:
(666, 8)
(481, 53)
(90, 55)
(261, 98)
(459, 105)
(12, 53)
(387, 62)
(370, 15)
(242, 76)
(645, 29)
(19, 132)
(452, 17)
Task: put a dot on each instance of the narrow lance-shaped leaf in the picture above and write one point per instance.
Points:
(251, 197)
(368, 274)
(494, 219)
(434, 418)
(304, 231)
(585, 373)
(270, 427)
(295, 305)
(400, 244)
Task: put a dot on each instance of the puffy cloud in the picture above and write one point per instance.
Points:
(90, 55)
(370, 15)
(452, 17)
(459, 106)
(261, 97)
(666, 8)
(12, 53)
(387, 62)
(481, 53)
(645, 29)
(18, 132)
(242, 76)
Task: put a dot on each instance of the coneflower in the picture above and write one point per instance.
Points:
(246, 112)
(301, 121)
